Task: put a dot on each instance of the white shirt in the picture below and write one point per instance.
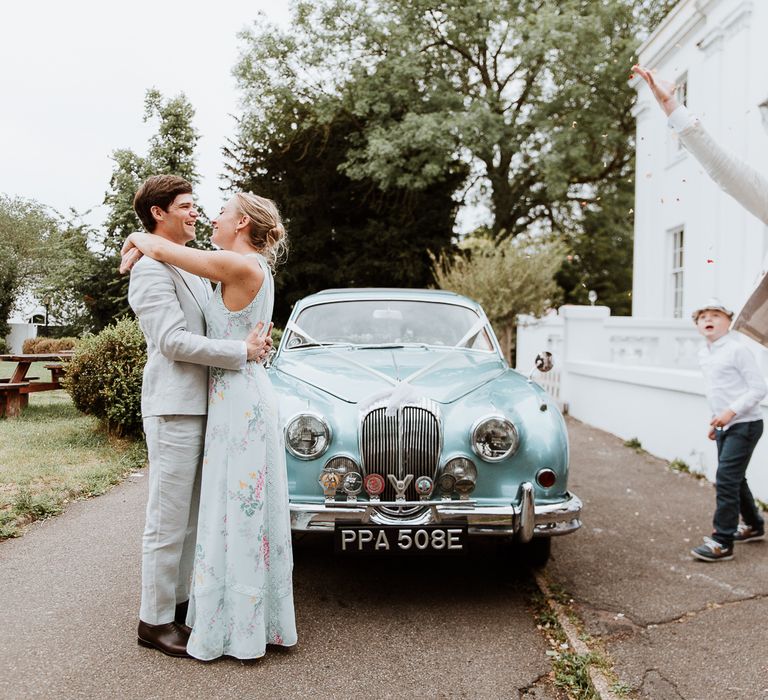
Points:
(732, 379)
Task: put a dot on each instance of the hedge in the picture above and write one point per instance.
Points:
(104, 376)
(33, 346)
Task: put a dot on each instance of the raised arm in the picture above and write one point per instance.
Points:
(737, 178)
(218, 266)
(152, 296)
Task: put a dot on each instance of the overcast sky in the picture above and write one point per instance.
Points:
(73, 76)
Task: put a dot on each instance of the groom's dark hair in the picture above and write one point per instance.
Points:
(158, 191)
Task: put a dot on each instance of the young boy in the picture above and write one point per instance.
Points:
(734, 388)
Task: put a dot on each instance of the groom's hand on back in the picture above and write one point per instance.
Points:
(259, 343)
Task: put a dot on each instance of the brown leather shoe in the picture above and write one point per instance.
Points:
(168, 638)
(180, 617)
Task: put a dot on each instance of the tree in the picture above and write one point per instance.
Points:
(342, 231)
(515, 276)
(532, 94)
(171, 151)
(600, 255)
(26, 250)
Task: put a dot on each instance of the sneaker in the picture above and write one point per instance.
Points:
(747, 533)
(712, 550)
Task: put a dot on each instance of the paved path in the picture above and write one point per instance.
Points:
(676, 627)
(396, 628)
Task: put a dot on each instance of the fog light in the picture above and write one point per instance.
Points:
(446, 484)
(342, 465)
(546, 478)
(464, 472)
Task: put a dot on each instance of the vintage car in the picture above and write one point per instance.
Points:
(407, 432)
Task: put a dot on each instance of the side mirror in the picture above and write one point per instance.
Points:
(544, 361)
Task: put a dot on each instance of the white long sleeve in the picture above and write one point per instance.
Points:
(740, 180)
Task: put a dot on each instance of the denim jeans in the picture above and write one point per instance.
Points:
(734, 448)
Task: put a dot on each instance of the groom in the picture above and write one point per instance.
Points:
(169, 304)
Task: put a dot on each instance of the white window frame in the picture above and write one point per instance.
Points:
(676, 258)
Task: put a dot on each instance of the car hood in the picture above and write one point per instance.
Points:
(339, 373)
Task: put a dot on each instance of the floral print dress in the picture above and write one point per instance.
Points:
(242, 593)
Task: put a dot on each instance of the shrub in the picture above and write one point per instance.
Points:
(41, 345)
(3, 346)
(104, 376)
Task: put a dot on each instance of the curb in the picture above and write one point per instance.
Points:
(599, 680)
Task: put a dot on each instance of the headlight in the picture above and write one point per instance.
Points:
(307, 436)
(494, 438)
(463, 473)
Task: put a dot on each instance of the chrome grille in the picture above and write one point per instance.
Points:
(408, 443)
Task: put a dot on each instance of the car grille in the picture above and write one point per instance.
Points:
(408, 443)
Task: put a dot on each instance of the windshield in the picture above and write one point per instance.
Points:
(387, 322)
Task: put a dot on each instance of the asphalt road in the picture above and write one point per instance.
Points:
(458, 628)
(675, 627)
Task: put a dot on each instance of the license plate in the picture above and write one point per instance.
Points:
(393, 539)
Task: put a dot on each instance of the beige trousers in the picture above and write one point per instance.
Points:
(175, 448)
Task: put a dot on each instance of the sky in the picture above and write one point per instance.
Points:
(73, 76)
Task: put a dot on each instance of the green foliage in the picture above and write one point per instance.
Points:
(342, 232)
(634, 444)
(27, 230)
(515, 276)
(531, 96)
(171, 151)
(572, 673)
(104, 376)
(678, 465)
(600, 256)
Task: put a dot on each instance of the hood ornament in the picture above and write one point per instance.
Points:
(400, 485)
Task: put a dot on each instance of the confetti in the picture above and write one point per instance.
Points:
(662, 200)
(631, 76)
(710, 261)
(649, 174)
(631, 211)
(573, 125)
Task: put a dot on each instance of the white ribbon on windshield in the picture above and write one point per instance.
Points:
(403, 392)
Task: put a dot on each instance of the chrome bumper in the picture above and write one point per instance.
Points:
(526, 520)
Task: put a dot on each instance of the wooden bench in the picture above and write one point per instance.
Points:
(57, 371)
(13, 398)
(8, 379)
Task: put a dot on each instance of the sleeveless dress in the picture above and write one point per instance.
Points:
(242, 592)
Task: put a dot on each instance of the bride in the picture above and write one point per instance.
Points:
(242, 595)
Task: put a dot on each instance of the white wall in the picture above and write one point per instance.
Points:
(722, 46)
(19, 333)
(635, 378)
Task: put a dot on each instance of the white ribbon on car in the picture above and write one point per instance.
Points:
(402, 391)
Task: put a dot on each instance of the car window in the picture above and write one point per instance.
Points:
(384, 322)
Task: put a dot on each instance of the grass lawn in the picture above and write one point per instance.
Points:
(53, 454)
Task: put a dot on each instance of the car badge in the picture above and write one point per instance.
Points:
(374, 485)
(424, 487)
(446, 482)
(352, 485)
(400, 485)
(330, 481)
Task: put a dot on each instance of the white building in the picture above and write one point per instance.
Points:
(637, 377)
(691, 240)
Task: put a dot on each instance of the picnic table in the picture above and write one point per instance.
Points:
(15, 391)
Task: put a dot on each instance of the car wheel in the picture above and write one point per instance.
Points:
(537, 552)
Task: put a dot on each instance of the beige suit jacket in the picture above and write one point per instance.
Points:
(169, 304)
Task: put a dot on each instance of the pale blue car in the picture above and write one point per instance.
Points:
(406, 431)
